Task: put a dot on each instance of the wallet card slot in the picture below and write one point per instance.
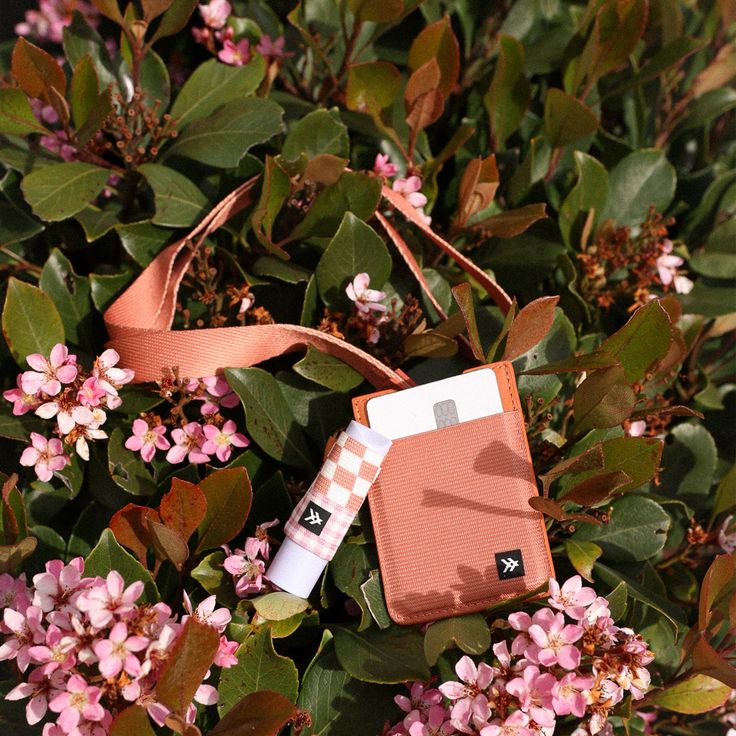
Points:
(446, 503)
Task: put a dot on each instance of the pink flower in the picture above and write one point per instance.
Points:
(410, 187)
(382, 166)
(109, 378)
(28, 631)
(218, 393)
(420, 698)
(109, 598)
(437, 723)
(40, 688)
(55, 587)
(57, 652)
(726, 538)
(515, 725)
(667, 266)
(572, 598)
(22, 402)
(534, 691)
(116, 653)
(206, 613)
(48, 22)
(215, 14)
(221, 441)
(189, 441)
(225, 656)
(568, 696)
(260, 543)
(637, 428)
(206, 695)
(147, 439)
(91, 392)
(49, 373)
(272, 49)
(13, 594)
(248, 573)
(365, 299)
(471, 704)
(554, 643)
(235, 54)
(79, 701)
(47, 456)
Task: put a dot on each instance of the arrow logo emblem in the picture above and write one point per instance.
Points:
(313, 518)
(510, 564)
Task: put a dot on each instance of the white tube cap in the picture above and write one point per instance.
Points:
(295, 569)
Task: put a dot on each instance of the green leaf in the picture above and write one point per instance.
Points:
(373, 594)
(80, 40)
(187, 664)
(263, 713)
(327, 371)
(229, 496)
(107, 287)
(213, 577)
(470, 633)
(566, 119)
(213, 84)
(640, 180)
(582, 556)
(617, 600)
(508, 96)
(19, 427)
(16, 226)
(16, 116)
(352, 192)
(372, 87)
(96, 222)
(61, 190)
(698, 694)
(279, 606)
(143, 240)
(72, 296)
(349, 569)
(126, 467)
(604, 399)
(337, 702)
(30, 321)
(638, 457)
(589, 193)
(637, 530)
(108, 555)
(726, 494)
(643, 594)
(224, 137)
(133, 720)
(258, 668)
(318, 132)
(268, 417)
(355, 248)
(179, 203)
(376, 11)
(85, 89)
(689, 465)
(174, 19)
(390, 656)
(287, 271)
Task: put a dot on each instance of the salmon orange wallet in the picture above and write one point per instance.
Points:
(451, 515)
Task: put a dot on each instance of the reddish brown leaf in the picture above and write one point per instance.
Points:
(132, 721)
(548, 506)
(130, 527)
(530, 326)
(604, 399)
(36, 71)
(719, 575)
(463, 294)
(437, 41)
(168, 543)
(477, 187)
(591, 459)
(597, 488)
(424, 101)
(510, 223)
(707, 661)
(183, 508)
(187, 664)
(263, 713)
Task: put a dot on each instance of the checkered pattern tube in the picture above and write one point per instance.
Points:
(322, 517)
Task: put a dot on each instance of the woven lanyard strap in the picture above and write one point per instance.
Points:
(139, 321)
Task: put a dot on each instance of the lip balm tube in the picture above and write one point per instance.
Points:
(323, 516)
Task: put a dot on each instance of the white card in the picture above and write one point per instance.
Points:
(435, 405)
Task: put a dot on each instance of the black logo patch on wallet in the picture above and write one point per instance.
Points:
(314, 518)
(510, 564)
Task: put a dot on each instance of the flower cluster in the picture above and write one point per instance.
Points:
(219, 37)
(58, 388)
(568, 659)
(408, 187)
(248, 565)
(48, 22)
(194, 441)
(368, 306)
(621, 262)
(87, 650)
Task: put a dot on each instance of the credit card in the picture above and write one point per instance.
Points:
(435, 405)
